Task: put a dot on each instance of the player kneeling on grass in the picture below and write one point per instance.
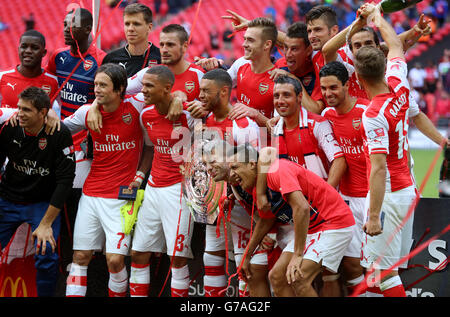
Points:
(322, 222)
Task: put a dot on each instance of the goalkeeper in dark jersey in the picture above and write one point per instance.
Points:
(38, 176)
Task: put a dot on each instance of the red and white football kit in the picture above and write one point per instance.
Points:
(12, 83)
(353, 186)
(235, 132)
(385, 128)
(318, 61)
(253, 90)
(331, 221)
(312, 144)
(187, 82)
(164, 222)
(117, 151)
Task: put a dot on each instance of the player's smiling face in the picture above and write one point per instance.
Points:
(297, 54)
(244, 174)
(216, 167)
(319, 33)
(104, 90)
(30, 118)
(285, 100)
(152, 89)
(136, 28)
(332, 90)
(31, 51)
(362, 39)
(253, 43)
(172, 51)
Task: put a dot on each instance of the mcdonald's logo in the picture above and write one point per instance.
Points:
(14, 286)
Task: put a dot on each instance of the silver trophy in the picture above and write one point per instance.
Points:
(201, 192)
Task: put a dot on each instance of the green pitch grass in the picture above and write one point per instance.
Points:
(422, 163)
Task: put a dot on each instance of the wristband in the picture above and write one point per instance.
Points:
(139, 177)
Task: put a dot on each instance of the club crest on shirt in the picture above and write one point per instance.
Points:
(306, 80)
(189, 86)
(356, 122)
(87, 64)
(47, 89)
(263, 88)
(127, 118)
(152, 63)
(42, 143)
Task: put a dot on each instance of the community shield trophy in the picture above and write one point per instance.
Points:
(201, 192)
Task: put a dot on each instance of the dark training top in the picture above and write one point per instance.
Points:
(134, 63)
(40, 168)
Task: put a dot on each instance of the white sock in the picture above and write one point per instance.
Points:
(118, 283)
(77, 281)
(180, 281)
(139, 280)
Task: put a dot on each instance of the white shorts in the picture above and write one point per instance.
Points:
(328, 246)
(82, 168)
(159, 218)
(285, 237)
(394, 209)
(357, 205)
(241, 228)
(238, 236)
(98, 221)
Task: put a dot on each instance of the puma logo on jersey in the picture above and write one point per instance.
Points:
(63, 59)
(149, 125)
(11, 85)
(17, 142)
(124, 65)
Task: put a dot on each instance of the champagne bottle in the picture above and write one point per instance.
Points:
(389, 6)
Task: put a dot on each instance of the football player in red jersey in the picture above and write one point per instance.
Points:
(321, 221)
(173, 41)
(344, 114)
(164, 222)
(29, 72)
(117, 150)
(307, 139)
(391, 189)
(215, 91)
(361, 36)
(251, 73)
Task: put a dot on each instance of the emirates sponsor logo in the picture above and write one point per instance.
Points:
(263, 88)
(189, 86)
(112, 144)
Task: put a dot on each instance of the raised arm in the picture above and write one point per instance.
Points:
(389, 36)
(329, 50)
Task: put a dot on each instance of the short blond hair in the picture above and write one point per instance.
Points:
(269, 29)
(370, 63)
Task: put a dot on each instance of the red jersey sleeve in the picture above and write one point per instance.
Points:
(280, 171)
